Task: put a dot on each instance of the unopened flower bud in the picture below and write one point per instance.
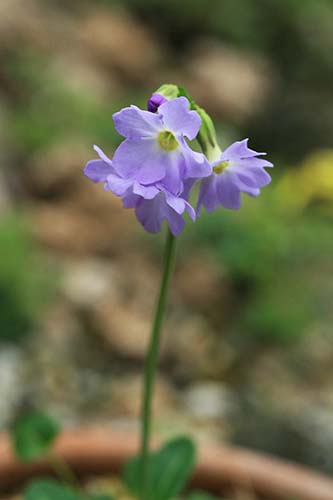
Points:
(168, 90)
(155, 102)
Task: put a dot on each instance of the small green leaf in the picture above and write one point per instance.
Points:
(169, 469)
(32, 435)
(200, 495)
(48, 489)
(99, 496)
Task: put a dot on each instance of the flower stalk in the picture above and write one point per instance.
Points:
(152, 361)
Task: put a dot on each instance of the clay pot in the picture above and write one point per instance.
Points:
(92, 451)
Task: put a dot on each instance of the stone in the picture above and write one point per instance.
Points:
(32, 23)
(71, 229)
(126, 394)
(58, 170)
(125, 329)
(209, 400)
(86, 282)
(229, 81)
(199, 284)
(197, 349)
(116, 40)
(85, 78)
(11, 387)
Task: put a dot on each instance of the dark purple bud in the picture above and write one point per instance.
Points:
(155, 102)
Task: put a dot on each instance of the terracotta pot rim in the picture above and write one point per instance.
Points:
(103, 449)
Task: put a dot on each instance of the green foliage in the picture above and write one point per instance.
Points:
(278, 313)
(98, 496)
(248, 241)
(200, 495)
(276, 263)
(169, 470)
(33, 435)
(24, 287)
(47, 489)
(52, 109)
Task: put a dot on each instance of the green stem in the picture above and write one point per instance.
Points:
(63, 471)
(152, 360)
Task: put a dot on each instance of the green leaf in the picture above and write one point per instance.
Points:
(200, 495)
(48, 489)
(169, 469)
(99, 496)
(32, 435)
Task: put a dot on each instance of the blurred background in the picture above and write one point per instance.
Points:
(247, 356)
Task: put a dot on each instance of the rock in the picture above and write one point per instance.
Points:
(122, 315)
(58, 170)
(71, 229)
(312, 357)
(116, 40)
(31, 23)
(11, 388)
(229, 81)
(85, 78)
(5, 198)
(209, 400)
(197, 349)
(286, 413)
(67, 372)
(126, 396)
(88, 281)
(199, 284)
(125, 329)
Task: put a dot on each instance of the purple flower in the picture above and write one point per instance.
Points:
(155, 101)
(237, 171)
(163, 206)
(155, 149)
(153, 204)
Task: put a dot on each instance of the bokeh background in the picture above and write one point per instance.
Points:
(247, 356)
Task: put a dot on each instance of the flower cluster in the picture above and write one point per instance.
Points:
(154, 168)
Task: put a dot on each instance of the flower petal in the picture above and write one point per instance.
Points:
(178, 204)
(190, 210)
(227, 190)
(196, 164)
(130, 200)
(150, 214)
(175, 221)
(147, 192)
(252, 176)
(238, 150)
(118, 185)
(179, 119)
(140, 160)
(174, 173)
(207, 194)
(102, 155)
(97, 170)
(135, 123)
(165, 206)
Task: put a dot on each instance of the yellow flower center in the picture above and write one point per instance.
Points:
(167, 140)
(218, 169)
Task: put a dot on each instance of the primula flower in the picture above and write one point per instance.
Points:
(152, 204)
(151, 212)
(155, 149)
(238, 170)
